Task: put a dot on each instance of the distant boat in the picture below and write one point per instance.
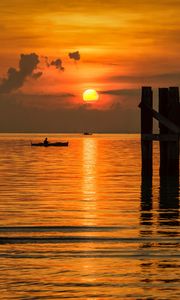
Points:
(87, 133)
(57, 144)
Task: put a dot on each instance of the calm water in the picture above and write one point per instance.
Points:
(77, 223)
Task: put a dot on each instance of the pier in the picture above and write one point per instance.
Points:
(168, 137)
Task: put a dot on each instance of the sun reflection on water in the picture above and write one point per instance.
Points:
(89, 168)
(89, 180)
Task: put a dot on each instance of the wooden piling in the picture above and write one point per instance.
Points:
(168, 137)
(173, 146)
(163, 110)
(146, 128)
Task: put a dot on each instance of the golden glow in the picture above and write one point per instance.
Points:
(89, 183)
(89, 168)
(104, 35)
(90, 95)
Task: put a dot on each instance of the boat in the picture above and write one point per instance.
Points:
(56, 144)
(87, 133)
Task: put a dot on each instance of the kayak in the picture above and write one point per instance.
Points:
(57, 144)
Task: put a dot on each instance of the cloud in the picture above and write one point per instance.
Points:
(47, 61)
(124, 98)
(74, 55)
(48, 101)
(58, 64)
(120, 92)
(23, 117)
(16, 78)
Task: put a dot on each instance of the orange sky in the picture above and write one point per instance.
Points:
(122, 45)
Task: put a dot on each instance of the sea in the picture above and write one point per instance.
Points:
(80, 222)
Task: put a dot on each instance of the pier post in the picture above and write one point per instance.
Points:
(146, 128)
(163, 110)
(168, 137)
(173, 146)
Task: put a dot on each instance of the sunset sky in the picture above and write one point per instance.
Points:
(121, 44)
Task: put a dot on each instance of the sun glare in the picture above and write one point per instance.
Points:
(90, 95)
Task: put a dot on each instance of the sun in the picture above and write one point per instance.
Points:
(90, 95)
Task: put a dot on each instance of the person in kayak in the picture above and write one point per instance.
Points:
(46, 142)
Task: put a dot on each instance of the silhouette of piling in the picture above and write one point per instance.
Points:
(163, 110)
(173, 145)
(168, 137)
(146, 129)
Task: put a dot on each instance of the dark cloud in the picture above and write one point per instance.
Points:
(124, 98)
(74, 55)
(23, 117)
(47, 61)
(58, 64)
(16, 78)
(120, 92)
